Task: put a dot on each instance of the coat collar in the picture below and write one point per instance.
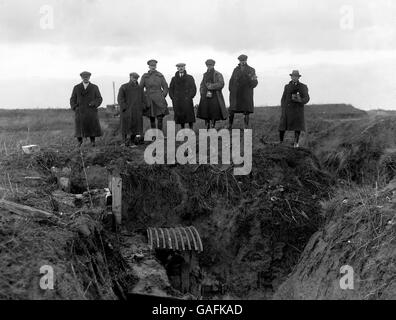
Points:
(153, 73)
(177, 74)
(83, 90)
(247, 67)
(89, 87)
(132, 84)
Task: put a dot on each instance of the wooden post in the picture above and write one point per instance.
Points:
(116, 191)
(114, 94)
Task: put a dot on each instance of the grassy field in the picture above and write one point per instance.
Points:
(55, 127)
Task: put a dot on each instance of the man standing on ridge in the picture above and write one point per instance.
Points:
(182, 91)
(156, 90)
(132, 103)
(295, 96)
(85, 101)
(212, 105)
(241, 85)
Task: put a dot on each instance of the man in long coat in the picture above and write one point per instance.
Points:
(182, 91)
(295, 96)
(132, 102)
(156, 90)
(212, 105)
(241, 85)
(85, 100)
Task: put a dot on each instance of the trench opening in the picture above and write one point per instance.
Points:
(183, 270)
(253, 228)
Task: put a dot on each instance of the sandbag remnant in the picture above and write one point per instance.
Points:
(179, 238)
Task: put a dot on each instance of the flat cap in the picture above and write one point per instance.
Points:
(85, 73)
(152, 62)
(181, 64)
(134, 75)
(210, 62)
(243, 57)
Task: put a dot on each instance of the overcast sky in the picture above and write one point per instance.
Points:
(345, 50)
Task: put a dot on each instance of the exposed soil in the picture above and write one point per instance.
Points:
(282, 232)
(253, 228)
(360, 232)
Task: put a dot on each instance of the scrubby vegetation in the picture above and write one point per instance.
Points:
(301, 212)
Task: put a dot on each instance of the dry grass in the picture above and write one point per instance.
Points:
(366, 231)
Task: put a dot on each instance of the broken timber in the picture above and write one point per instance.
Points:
(25, 211)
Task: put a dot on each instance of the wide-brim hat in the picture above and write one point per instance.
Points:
(152, 62)
(210, 62)
(134, 75)
(243, 57)
(181, 64)
(85, 73)
(295, 73)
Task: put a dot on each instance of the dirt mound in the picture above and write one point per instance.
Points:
(360, 233)
(253, 227)
(335, 111)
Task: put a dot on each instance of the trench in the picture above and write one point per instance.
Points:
(253, 228)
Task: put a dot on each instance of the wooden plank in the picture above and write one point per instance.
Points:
(116, 191)
(23, 210)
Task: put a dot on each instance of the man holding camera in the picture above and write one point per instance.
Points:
(212, 105)
(295, 96)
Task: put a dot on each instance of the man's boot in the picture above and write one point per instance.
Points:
(161, 125)
(93, 141)
(152, 123)
(281, 136)
(297, 139)
(132, 141)
(231, 121)
(246, 121)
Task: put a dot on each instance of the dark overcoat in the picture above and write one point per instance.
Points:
(156, 89)
(182, 91)
(132, 103)
(241, 85)
(85, 103)
(215, 87)
(292, 116)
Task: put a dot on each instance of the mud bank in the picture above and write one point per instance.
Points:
(359, 233)
(85, 263)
